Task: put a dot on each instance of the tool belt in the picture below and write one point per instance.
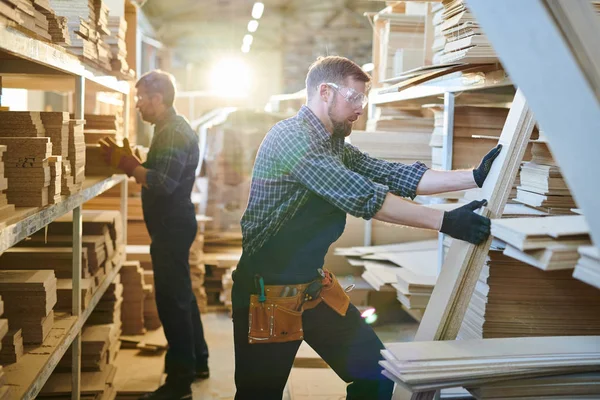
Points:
(275, 314)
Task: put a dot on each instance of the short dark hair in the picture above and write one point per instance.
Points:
(160, 82)
(333, 69)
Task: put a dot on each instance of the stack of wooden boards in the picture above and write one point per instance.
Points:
(588, 266)
(134, 292)
(98, 126)
(151, 318)
(396, 135)
(5, 209)
(398, 43)
(29, 297)
(409, 269)
(542, 185)
(465, 41)
(88, 29)
(220, 259)
(118, 46)
(478, 364)
(232, 141)
(35, 18)
(108, 309)
(513, 299)
(94, 385)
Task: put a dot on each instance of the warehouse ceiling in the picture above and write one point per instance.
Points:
(300, 29)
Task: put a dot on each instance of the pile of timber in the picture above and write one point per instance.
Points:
(12, 347)
(27, 169)
(59, 259)
(479, 364)
(465, 41)
(95, 223)
(132, 309)
(100, 345)
(88, 28)
(227, 285)
(34, 18)
(29, 297)
(54, 190)
(77, 152)
(108, 310)
(218, 260)
(64, 292)
(94, 385)
(548, 243)
(5, 209)
(513, 299)
(588, 266)
(118, 46)
(151, 318)
(542, 185)
(99, 126)
(397, 43)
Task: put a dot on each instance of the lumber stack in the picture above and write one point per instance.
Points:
(542, 185)
(27, 170)
(59, 259)
(404, 147)
(98, 126)
(227, 285)
(118, 46)
(54, 190)
(465, 41)
(77, 152)
(64, 292)
(5, 208)
(513, 299)
(398, 43)
(94, 385)
(108, 310)
(151, 318)
(218, 260)
(99, 347)
(548, 243)
(12, 347)
(57, 128)
(426, 366)
(132, 309)
(57, 26)
(29, 297)
(27, 18)
(588, 266)
(95, 223)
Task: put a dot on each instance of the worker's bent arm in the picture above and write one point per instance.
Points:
(398, 211)
(434, 182)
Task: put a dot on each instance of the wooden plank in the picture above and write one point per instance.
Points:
(462, 266)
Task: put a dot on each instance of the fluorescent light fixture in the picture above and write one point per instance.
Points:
(252, 26)
(248, 39)
(257, 10)
(245, 48)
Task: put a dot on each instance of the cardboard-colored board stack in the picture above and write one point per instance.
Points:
(227, 285)
(57, 128)
(57, 26)
(28, 18)
(88, 28)
(232, 142)
(424, 366)
(77, 152)
(59, 259)
(54, 191)
(219, 260)
(29, 298)
(100, 345)
(26, 159)
(513, 299)
(5, 208)
(12, 347)
(100, 126)
(64, 292)
(465, 41)
(108, 310)
(548, 243)
(94, 385)
(542, 185)
(399, 43)
(132, 309)
(588, 266)
(118, 46)
(94, 223)
(151, 318)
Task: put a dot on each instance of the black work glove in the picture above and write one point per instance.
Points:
(462, 223)
(481, 172)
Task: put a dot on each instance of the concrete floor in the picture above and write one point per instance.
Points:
(136, 369)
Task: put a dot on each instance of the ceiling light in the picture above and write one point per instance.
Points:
(248, 39)
(252, 26)
(257, 10)
(245, 48)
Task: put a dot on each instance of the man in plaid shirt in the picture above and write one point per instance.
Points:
(306, 179)
(167, 178)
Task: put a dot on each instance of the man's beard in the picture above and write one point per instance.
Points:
(340, 129)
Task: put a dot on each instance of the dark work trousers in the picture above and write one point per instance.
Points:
(172, 238)
(347, 344)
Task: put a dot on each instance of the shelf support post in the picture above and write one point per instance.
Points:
(448, 136)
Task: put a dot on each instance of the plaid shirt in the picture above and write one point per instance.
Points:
(299, 156)
(172, 162)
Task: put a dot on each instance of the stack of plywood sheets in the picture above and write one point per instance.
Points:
(513, 299)
(57, 26)
(94, 385)
(151, 318)
(381, 275)
(547, 243)
(12, 347)
(29, 297)
(94, 224)
(404, 147)
(108, 310)
(5, 208)
(227, 284)
(217, 262)
(77, 152)
(56, 126)
(588, 266)
(132, 309)
(465, 41)
(99, 347)
(118, 46)
(542, 185)
(27, 169)
(54, 190)
(64, 292)
(26, 17)
(59, 259)
(425, 366)
(100, 126)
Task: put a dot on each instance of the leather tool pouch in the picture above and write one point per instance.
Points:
(277, 319)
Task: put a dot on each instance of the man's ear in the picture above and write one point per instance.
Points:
(324, 92)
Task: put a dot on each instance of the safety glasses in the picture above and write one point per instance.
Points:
(350, 95)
